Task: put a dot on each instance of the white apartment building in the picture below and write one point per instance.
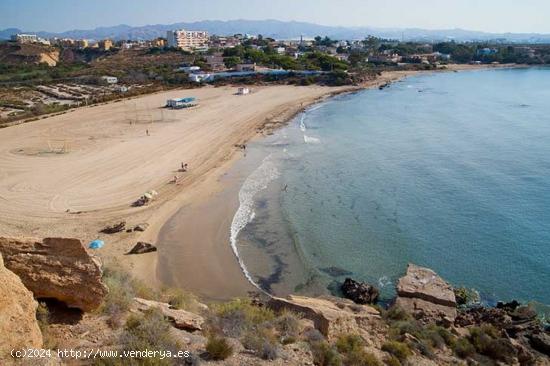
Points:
(187, 40)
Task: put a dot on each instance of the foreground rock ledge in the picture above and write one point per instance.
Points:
(331, 317)
(18, 324)
(181, 319)
(56, 268)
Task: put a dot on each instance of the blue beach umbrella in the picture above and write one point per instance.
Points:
(96, 244)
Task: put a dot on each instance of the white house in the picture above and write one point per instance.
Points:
(109, 79)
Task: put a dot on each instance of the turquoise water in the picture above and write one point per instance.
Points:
(449, 171)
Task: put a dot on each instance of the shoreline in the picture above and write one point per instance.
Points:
(110, 162)
(218, 241)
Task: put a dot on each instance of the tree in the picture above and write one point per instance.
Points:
(231, 61)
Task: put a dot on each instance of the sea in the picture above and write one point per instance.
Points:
(445, 170)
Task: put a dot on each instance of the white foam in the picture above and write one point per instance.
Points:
(314, 108)
(256, 182)
(311, 140)
(302, 123)
(383, 281)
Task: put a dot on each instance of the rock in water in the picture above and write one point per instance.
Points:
(18, 324)
(142, 247)
(57, 268)
(427, 296)
(360, 292)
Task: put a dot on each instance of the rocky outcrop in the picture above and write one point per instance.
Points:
(181, 319)
(330, 317)
(141, 227)
(541, 342)
(115, 228)
(427, 296)
(360, 292)
(57, 268)
(18, 325)
(142, 247)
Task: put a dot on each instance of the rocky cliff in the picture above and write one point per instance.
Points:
(18, 325)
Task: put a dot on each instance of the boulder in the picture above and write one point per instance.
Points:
(181, 319)
(483, 315)
(115, 228)
(141, 227)
(18, 324)
(541, 342)
(360, 292)
(330, 317)
(57, 268)
(427, 296)
(142, 247)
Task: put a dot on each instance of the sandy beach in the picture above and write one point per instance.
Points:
(72, 174)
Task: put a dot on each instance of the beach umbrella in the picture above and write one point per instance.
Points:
(96, 244)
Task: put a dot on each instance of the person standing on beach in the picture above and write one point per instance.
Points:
(147, 132)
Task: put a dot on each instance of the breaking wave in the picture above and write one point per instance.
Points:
(256, 182)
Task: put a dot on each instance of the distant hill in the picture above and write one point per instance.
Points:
(287, 30)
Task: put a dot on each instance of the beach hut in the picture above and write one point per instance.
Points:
(96, 244)
(179, 103)
(243, 91)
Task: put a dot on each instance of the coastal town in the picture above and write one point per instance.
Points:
(43, 76)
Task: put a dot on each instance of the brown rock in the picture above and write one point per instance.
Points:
(18, 324)
(427, 296)
(423, 283)
(360, 292)
(331, 318)
(142, 247)
(181, 319)
(115, 228)
(57, 268)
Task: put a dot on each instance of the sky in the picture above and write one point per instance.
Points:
(521, 16)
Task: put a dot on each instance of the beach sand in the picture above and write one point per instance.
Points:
(72, 174)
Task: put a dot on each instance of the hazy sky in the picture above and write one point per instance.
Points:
(485, 15)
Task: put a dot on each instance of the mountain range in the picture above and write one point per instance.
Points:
(284, 30)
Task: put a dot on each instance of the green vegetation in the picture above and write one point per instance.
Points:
(123, 288)
(324, 354)
(466, 296)
(352, 348)
(147, 331)
(218, 348)
(397, 349)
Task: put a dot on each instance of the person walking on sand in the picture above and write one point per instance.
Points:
(147, 132)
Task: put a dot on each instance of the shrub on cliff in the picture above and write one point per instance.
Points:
(395, 313)
(263, 341)
(324, 354)
(235, 317)
(218, 348)
(488, 341)
(122, 290)
(288, 325)
(398, 349)
(149, 331)
(180, 299)
(463, 348)
(352, 347)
